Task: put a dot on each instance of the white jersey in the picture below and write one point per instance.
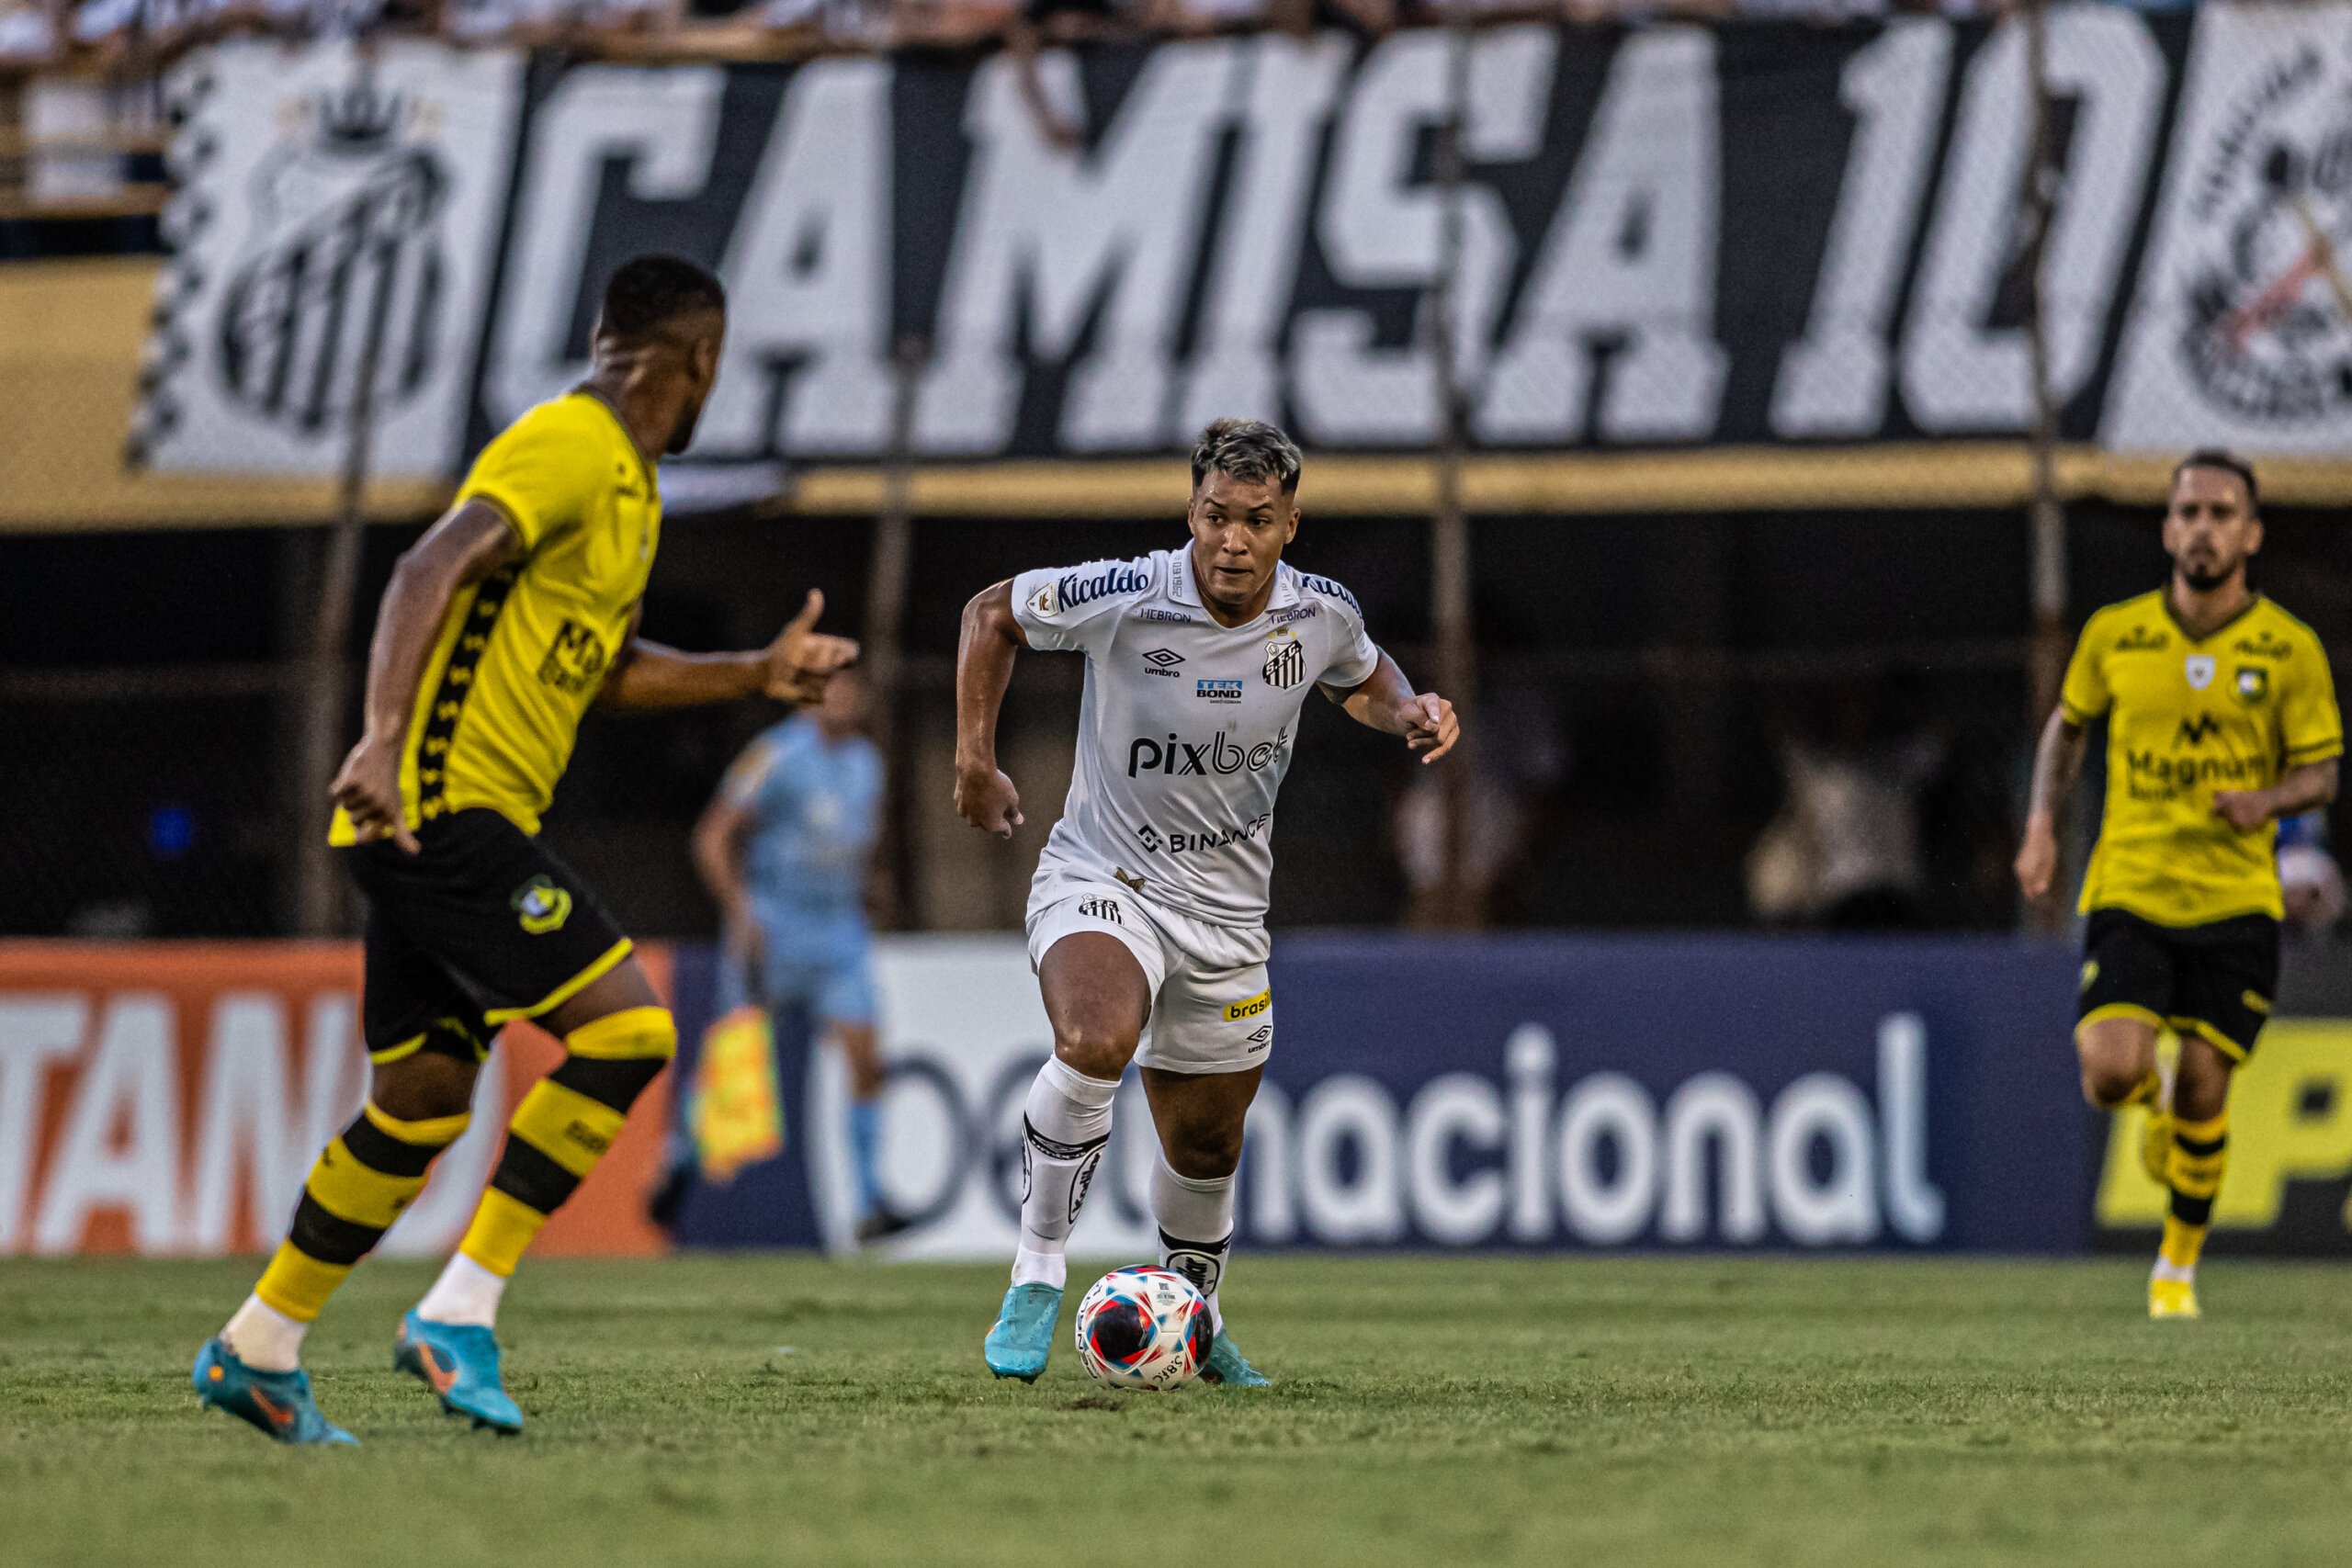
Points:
(1186, 725)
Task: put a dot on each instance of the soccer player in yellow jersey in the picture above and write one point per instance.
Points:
(507, 620)
(2221, 719)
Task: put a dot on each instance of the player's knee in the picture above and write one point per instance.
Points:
(423, 1086)
(2107, 1082)
(1098, 1050)
(1205, 1154)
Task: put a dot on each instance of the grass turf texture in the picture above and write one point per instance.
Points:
(1430, 1411)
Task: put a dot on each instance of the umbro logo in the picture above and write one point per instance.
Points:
(2196, 731)
(1162, 661)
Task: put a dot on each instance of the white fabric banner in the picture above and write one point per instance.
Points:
(2241, 333)
(323, 197)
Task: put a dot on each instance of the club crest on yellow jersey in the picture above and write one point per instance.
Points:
(541, 905)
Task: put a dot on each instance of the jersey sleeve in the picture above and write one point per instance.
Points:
(1354, 655)
(538, 472)
(1076, 609)
(2085, 697)
(2309, 725)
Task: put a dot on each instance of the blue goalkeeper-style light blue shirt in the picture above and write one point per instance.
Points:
(815, 813)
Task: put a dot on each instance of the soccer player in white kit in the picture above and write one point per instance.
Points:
(1147, 916)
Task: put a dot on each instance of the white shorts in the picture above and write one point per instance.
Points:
(1213, 1008)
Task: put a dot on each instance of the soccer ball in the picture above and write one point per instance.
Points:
(1143, 1328)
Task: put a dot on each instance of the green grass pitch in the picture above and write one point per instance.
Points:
(1430, 1411)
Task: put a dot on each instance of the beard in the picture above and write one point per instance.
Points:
(2205, 575)
(681, 434)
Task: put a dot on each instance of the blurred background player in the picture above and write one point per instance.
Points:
(500, 626)
(1148, 906)
(2222, 719)
(786, 848)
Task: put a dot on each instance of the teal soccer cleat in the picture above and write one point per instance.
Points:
(277, 1403)
(460, 1363)
(1228, 1368)
(1017, 1346)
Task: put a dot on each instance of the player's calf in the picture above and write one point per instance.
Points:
(362, 1182)
(1065, 1126)
(561, 1129)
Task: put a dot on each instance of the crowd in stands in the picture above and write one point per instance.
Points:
(128, 33)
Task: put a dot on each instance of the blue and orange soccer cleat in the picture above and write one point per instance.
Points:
(1228, 1368)
(1017, 1346)
(460, 1363)
(277, 1403)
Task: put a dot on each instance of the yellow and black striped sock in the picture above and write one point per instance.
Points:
(562, 1128)
(2201, 1153)
(374, 1169)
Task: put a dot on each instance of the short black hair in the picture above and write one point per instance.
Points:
(1249, 450)
(2228, 462)
(649, 293)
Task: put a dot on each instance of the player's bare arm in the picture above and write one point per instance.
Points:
(2057, 762)
(2305, 788)
(1388, 703)
(719, 843)
(991, 636)
(462, 549)
(792, 669)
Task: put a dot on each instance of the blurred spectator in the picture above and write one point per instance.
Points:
(551, 21)
(30, 31)
(950, 24)
(2308, 879)
(1493, 832)
(863, 22)
(1845, 850)
(1516, 762)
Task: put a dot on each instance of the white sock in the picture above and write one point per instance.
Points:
(1064, 1126)
(2167, 1268)
(465, 1294)
(1195, 1219)
(264, 1338)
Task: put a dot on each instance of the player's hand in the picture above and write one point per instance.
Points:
(368, 788)
(2037, 861)
(2244, 809)
(1430, 727)
(986, 798)
(802, 659)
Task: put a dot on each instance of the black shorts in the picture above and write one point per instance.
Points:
(2212, 980)
(482, 926)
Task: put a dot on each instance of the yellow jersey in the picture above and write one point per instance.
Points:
(522, 653)
(2187, 716)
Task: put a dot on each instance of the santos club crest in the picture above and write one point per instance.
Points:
(1285, 660)
(348, 247)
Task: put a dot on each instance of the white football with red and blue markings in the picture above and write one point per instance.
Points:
(1144, 1328)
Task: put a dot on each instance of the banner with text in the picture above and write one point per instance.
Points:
(1539, 1092)
(1672, 236)
(169, 1098)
